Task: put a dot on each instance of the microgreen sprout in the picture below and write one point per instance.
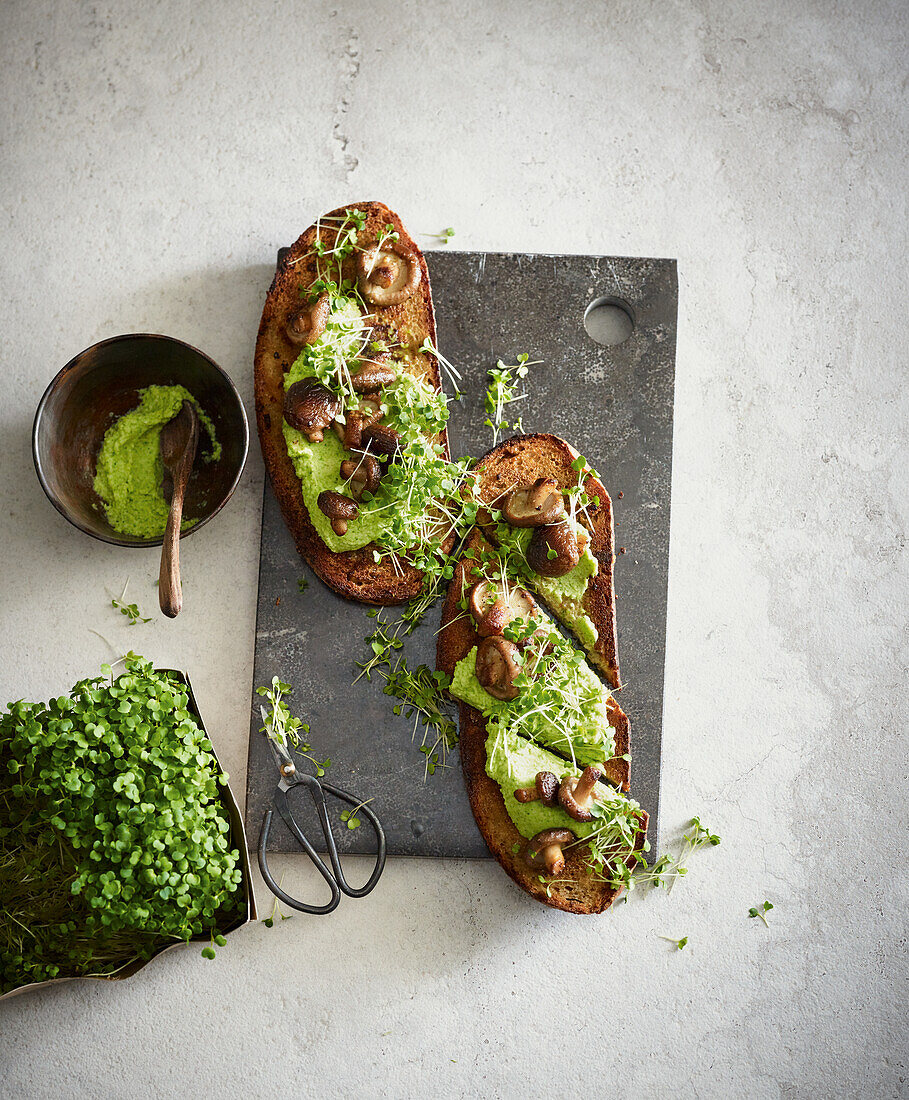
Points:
(276, 910)
(341, 240)
(421, 695)
(302, 584)
(283, 727)
(420, 691)
(130, 610)
(349, 817)
(389, 233)
(429, 348)
(217, 940)
(502, 391)
(761, 911)
(445, 236)
(668, 868)
(679, 944)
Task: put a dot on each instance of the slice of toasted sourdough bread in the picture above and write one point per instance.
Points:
(519, 462)
(351, 573)
(576, 889)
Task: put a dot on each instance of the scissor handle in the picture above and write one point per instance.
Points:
(336, 881)
(379, 867)
(300, 906)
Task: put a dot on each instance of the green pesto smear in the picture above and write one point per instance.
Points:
(405, 510)
(565, 595)
(129, 470)
(561, 703)
(318, 466)
(513, 763)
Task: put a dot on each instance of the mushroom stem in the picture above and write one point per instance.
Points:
(553, 858)
(575, 795)
(585, 785)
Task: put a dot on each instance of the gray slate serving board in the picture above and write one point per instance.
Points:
(614, 404)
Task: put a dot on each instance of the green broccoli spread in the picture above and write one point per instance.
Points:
(514, 762)
(129, 470)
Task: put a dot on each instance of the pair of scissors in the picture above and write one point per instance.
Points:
(289, 779)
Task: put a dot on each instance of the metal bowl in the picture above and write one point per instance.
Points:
(102, 383)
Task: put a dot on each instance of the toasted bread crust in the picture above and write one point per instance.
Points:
(352, 573)
(582, 893)
(519, 462)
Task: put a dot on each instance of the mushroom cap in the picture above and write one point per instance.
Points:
(307, 324)
(498, 663)
(576, 793)
(540, 851)
(382, 440)
(492, 611)
(388, 275)
(541, 503)
(372, 376)
(559, 537)
(310, 406)
(336, 505)
(547, 784)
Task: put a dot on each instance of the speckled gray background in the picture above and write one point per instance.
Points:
(154, 156)
(615, 405)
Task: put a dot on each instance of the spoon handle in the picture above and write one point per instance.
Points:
(170, 590)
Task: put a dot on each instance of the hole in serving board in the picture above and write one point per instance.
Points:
(609, 321)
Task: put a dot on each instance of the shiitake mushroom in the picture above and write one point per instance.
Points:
(362, 473)
(553, 550)
(339, 509)
(381, 439)
(388, 275)
(541, 503)
(310, 407)
(373, 375)
(543, 852)
(498, 663)
(307, 324)
(576, 793)
(492, 611)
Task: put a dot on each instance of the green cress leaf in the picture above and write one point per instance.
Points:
(130, 610)
(444, 236)
(760, 912)
(115, 842)
(284, 727)
(502, 391)
(668, 868)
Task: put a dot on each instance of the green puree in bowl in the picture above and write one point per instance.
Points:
(130, 471)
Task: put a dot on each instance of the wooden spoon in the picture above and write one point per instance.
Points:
(179, 440)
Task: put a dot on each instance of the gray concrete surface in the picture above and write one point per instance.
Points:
(154, 156)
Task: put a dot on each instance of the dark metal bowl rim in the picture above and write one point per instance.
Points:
(43, 402)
